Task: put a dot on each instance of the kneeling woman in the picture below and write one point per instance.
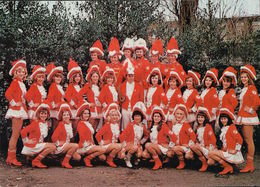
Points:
(134, 135)
(62, 135)
(232, 142)
(159, 144)
(85, 129)
(108, 135)
(38, 131)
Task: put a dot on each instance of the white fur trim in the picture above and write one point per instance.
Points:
(229, 74)
(155, 70)
(203, 109)
(62, 107)
(176, 74)
(213, 74)
(173, 50)
(75, 69)
(42, 69)
(42, 105)
(96, 49)
(15, 66)
(180, 106)
(250, 72)
(108, 70)
(189, 71)
(228, 111)
(247, 120)
(59, 68)
(160, 110)
(16, 113)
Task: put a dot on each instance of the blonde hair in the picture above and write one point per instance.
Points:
(38, 114)
(59, 73)
(250, 80)
(18, 68)
(72, 78)
(35, 78)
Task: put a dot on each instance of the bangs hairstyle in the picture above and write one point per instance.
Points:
(153, 75)
(174, 78)
(214, 84)
(226, 116)
(66, 110)
(160, 123)
(206, 119)
(35, 78)
(43, 109)
(193, 81)
(110, 75)
(92, 73)
(59, 73)
(18, 68)
(228, 79)
(136, 113)
(81, 114)
(72, 79)
(250, 80)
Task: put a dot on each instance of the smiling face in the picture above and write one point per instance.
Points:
(85, 115)
(208, 82)
(127, 53)
(179, 115)
(57, 78)
(43, 115)
(114, 59)
(171, 57)
(189, 83)
(94, 78)
(20, 73)
(201, 119)
(77, 78)
(173, 83)
(224, 120)
(66, 116)
(94, 56)
(137, 118)
(154, 80)
(157, 117)
(155, 58)
(226, 83)
(114, 116)
(40, 78)
(244, 78)
(139, 53)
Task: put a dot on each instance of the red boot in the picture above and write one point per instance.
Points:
(227, 168)
(158, 163)
(37, 162)
(181, 163)
(11, 159)
(249, 167)
(204, 166)
(87, 161)
(66, 162)
(110, 162)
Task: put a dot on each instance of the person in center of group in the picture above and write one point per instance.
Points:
(108, 135)
(86, 132)
(232, 142)
(160, 132)
(247, 116)
(36, 93)
(17, 111)
(206, 139)
(34, 144)
(62, 136)
(134, 135)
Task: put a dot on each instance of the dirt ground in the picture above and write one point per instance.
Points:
(102, 175)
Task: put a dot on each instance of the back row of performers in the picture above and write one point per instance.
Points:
(126, 83)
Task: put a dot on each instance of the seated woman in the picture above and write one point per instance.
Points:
(38, 130)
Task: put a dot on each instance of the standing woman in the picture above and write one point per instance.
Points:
(159, 135)
(36, 93)
(247, 116)
(56, 93)
(34, 144)
(128, 49)
(209, 95)
(92, 91)
(86, 132)
(17, 107)
(75, 78)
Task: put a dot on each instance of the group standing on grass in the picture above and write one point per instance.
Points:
(133, 110)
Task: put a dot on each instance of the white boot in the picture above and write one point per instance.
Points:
(128, 161)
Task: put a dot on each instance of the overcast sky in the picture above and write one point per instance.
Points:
(242, 8)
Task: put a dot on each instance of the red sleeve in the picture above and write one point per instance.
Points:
(211, 135)
(236, 135)
(102, 94)
(146, 132)
(190, 132)
(30, 93)
(125, 133)
(215, 99)
(255, 98)
(68, 93)
(27, 129)
(101, 132)
(56, 133)
(9, 94)
(168, 132)
(198, 99)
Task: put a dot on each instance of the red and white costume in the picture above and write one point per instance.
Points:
(248, 98)
(86, 132)
(37, 131)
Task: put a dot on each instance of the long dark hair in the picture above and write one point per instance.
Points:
(214, 84)
(205, 117)
(229, 120)
(159, 124)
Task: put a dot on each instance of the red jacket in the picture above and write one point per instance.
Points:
(106, 97)
(128, 134)
(233, 138)
(176, 98)
(141, 66)
(105, 134)
(35, 96)
(158, 98)
(193, 100)
(34, 133)
(55, 96)
(186, 134)
(210, 100)
(85, 134)
(209, 136)
(230, 99)
(251, 100)
(175, 66)
(164, 133)
(15, 93)
(138, 95)
(100, 63)
(60, 133)
(72, 96)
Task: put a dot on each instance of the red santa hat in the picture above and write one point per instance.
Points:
(228, 110)
(16, 64)
(172, 47)
(195, 75)
(37, 70)
(114, 48)
(107, 72)
(92, 69)
(157, 47)
(84, 105)
(140, 44)
(182, 107)
(213, 73)
(178, 75)
(157, 109)
(155, 71)
(140, 106)
(249, 69)
(63, 107)
(44, 105)
(51, 70)
(205, 111)
(229, 72)
(128, 44)
(73, 68)
(112, 106)
(97, 47)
